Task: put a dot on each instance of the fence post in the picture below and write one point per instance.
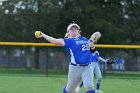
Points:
(47, 62)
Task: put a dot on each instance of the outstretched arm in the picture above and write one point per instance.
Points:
(59, 42)
(110, 60)
(102, 59)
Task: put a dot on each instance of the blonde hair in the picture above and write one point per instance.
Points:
(66, 35)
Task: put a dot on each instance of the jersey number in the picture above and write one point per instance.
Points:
(85, 47)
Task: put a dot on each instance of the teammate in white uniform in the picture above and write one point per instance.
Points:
(80, 67)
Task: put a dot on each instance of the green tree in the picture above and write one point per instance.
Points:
(117, 18)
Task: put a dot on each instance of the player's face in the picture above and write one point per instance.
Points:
(73, 32)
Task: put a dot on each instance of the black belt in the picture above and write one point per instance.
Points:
(83, 65)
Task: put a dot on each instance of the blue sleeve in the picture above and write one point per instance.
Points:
(67, 42)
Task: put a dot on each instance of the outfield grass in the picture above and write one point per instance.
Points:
(39, 83)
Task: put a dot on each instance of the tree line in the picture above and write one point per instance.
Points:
(117, 20)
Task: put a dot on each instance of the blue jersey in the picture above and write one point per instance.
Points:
(96, 56)
(78, 50)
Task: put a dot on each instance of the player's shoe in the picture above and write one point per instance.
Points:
(77, 89)
(98, 91)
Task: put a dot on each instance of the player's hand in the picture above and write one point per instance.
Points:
(38, 34)
(111, 60)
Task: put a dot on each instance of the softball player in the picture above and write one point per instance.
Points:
(80, 67)
(96, 69)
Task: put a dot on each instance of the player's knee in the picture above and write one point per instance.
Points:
(99, 78)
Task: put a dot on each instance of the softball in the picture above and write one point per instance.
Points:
(37, 34)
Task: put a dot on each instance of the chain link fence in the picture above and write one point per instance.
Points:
(55, 58)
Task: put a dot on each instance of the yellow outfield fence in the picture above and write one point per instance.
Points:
(25, 44)
(50, 44)
(43, 56)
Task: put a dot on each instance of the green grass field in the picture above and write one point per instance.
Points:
(35, 82)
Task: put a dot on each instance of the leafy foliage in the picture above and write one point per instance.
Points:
(117, 20)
